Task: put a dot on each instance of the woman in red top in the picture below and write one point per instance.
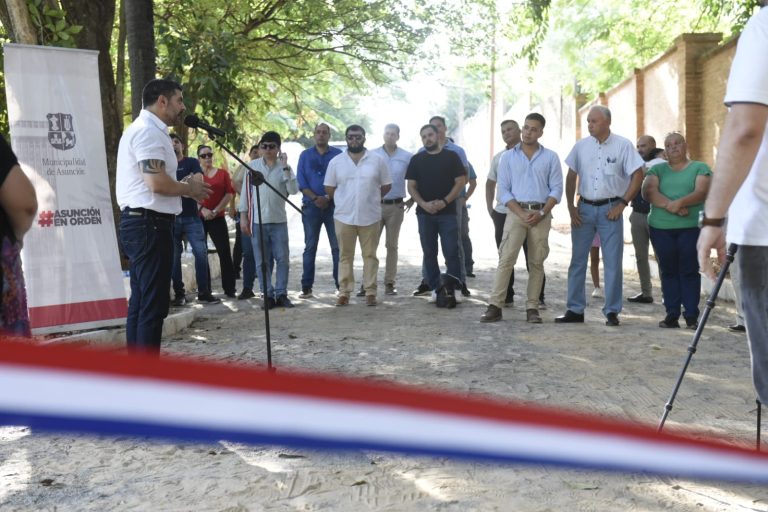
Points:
(212, 211)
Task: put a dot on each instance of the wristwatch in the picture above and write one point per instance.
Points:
(704, 221)
(541, 212)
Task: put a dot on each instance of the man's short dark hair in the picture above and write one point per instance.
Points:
(354, 128)
(271, 137)
(255, 146)
(202, 147)
(439, 118)
(510, 121)
(159, 87)
(428, 127)
(175, 137)
(535, 116)
(392, 126)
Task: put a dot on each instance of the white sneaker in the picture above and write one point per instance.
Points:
(433, 297)
(459, 297)
(597, 293)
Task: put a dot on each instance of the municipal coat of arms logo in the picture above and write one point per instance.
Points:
(61, 132)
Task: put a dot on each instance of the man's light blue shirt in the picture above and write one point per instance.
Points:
(605, 169)
(272, 205)
(529, 181)
(398, 164)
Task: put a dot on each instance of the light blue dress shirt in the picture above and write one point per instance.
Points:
(529, 181)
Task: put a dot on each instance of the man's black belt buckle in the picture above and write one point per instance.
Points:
(601, 202)
(392, 201)
(143, 212)
(531, 206)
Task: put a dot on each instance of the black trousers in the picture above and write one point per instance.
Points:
(217, 230)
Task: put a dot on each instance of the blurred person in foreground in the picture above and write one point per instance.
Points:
(18, 206)
(740, 189)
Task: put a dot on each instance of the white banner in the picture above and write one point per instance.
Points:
(70, 257)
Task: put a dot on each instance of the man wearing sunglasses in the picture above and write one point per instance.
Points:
(356, 181)
(274, 221)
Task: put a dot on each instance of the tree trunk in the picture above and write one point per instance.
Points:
(97, 19)
(21, 24)
(139, 24)
(120, 71)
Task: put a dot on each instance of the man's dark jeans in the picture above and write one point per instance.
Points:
(147, 242)
(192, 227)
(314, 219)
(446, 227)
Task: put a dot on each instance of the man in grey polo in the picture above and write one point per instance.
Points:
(609, 174)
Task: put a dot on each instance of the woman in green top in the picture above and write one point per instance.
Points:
(676, 191)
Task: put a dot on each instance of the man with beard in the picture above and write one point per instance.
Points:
(435, 179)
(356, 181)
(150, 197)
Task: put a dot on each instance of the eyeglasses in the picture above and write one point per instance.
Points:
(268, 146)
(205, 155)
(355, 137)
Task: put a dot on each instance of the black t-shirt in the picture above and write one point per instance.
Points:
(7, 161)
(435, 176)
(187, 166)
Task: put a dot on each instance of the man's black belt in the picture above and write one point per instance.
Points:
(392, 201)
(531, 206)
(143, 212)
(601, 202)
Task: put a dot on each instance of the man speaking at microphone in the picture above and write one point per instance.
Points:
(150, 197)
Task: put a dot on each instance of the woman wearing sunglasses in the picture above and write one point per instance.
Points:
(213, 211)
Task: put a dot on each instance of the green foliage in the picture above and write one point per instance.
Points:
(51, 24)
(278, 64)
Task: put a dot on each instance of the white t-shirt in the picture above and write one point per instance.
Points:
(748, 83)
(145, 139)
(494, 176)
(357, 196)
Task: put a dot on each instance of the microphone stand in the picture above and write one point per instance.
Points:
(257, 179)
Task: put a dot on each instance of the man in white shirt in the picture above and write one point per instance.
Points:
(740, 189)
(392, 205)
(355, 181)
(606, 167)
(150, 197)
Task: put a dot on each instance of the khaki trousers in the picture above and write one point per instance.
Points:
(347, 236)
(515, 233)
(391, 218)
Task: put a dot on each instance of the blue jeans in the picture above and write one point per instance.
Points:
(193, 228)
(313, 220)
(147, 242)
(446, 227)
(679, 268)
(275, 254)
(753, 265)
(594, 220)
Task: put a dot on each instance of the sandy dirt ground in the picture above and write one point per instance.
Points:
(626, 372)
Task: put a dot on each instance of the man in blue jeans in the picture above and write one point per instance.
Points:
(435, 178)
(150, 197)
(188, 223)
(608, 171)
(317, 208)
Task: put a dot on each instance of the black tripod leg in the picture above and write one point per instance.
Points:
(710, 305)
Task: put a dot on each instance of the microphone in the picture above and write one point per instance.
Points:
(195, 122)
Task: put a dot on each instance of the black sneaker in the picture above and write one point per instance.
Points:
(691, 322)
(306, 293)
(231, 295)
(284, 302)
(179, 300)
(361, 292)
(269, 303)
(247, 293)
(446, 298)
(207, 298)
(465, 290)
(423, 289)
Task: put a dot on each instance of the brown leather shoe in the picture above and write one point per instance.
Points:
(370, 300)
(342, 300)
(492, 314)
(532, 316)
